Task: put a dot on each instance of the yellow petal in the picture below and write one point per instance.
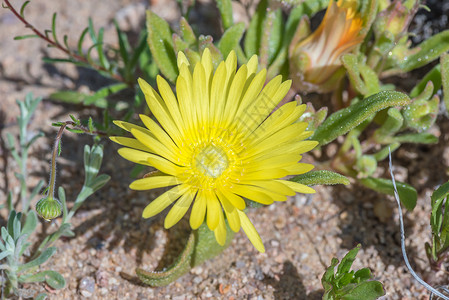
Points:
(298, 187)
(129, 142)
(271, 185)
(213, 211)
(153, 182)
(163, 201)
(179, 209)
(251, 232)
(235, 200)
(182, 60)
(231, 213)
(154, 145)
(220, 230)
(299, 168)
(198, 210)
(136, 156)
(252, 65)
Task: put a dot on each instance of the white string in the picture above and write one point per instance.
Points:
(404, 254)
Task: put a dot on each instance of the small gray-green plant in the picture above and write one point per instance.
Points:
(346, 284)
(18, 264)
(437, 251)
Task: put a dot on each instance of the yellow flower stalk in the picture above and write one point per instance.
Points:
(315, 60)
(218, 142)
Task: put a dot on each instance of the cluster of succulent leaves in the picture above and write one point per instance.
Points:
(347, 284)
(18, 264)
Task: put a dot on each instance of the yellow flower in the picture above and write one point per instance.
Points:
(218, 142)
(314, 61)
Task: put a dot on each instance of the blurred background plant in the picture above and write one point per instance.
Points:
(20, 263)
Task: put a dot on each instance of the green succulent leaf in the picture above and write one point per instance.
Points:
(320, 178)
(407, 193)
(341, 122)
(445, 78)
(98, 99)
(231, 38)
(433, 76)
(161, 45)
(200, 247)
(254, 33)
(427, 51)
(417, 138)
(187, 33)
(225, 8)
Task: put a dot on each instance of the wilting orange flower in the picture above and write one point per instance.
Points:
(314, 61)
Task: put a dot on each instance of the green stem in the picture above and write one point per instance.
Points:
(52, 182)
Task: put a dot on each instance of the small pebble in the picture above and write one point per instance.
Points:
(87, 286)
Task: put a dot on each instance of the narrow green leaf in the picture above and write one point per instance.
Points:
(254, 33)
(53, 28)
(187, 33)
(161, 45)
(433, 76)
(444, 61)
(231, 38)
(72, 97)
(225, 8)
(272, 35)
(43, 257)
(30, 223)
(427, 51)
(22, 9)
(102, 58)
(81, 40)
(320, 178)
(123, 43)
(26, 36)
(103, 93)
(340, 122)
(52, 278)
(417, 138)
(348, 260)
(407, 193)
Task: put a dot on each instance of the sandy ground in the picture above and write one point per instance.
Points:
(301, 235)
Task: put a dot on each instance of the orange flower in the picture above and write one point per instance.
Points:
(315, 60)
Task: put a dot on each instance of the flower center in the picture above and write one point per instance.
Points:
(212, 161)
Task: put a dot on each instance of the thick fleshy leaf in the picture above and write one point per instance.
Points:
(320, 178)
(225, 8)
(407, 193)
(231, 38)
(428, 51)
(445, 78)
(161, 45)
(340, 122)
(200, 247)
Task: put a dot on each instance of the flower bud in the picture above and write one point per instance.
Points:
(49, 208)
